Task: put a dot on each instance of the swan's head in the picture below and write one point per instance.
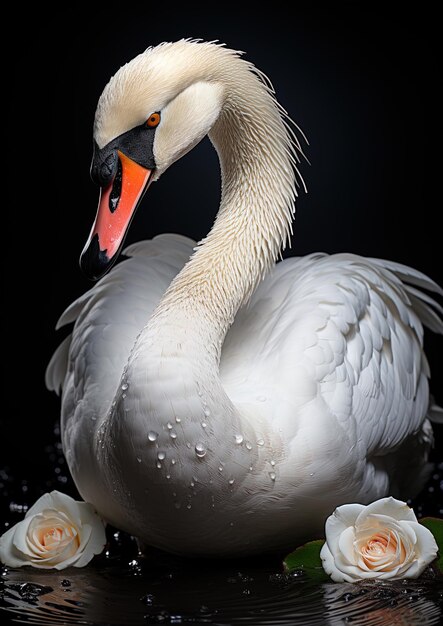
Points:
(153, 111)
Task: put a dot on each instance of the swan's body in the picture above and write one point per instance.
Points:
(203, 425)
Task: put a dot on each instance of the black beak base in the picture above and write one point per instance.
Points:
(94, 262)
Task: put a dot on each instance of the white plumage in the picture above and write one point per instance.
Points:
(205, 420)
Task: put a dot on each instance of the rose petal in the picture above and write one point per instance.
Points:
(346, 546)
(96, 545)
(408, 531)
(389, 574)
(74, 561)
(378, 525)
(330, 567)
(343, 517)
(426, 547)
(343, 572)
(44, 502)
(54, 563)
(71, 562)
(67, 546)
(425, 540)
(19, 537)
(97, 541)
(9, 555)
(387, 507)
(39, 523)
(56, 550)
(348, 513)
(375, 522)
(55, 557)
(409, 539)
(91, 518)
(84, 537)
(413, 570)
(69, 506)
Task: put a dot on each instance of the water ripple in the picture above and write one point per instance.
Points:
(164, 590)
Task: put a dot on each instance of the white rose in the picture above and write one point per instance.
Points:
(382, 540)
(56, 532)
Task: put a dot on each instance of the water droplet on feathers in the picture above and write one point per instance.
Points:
(200, 450)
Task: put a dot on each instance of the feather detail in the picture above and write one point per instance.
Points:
(56, 371)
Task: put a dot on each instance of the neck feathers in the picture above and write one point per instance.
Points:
(258, 154)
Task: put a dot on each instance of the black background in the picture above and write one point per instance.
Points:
(361, 84)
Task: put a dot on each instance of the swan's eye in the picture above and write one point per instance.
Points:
(153, 120)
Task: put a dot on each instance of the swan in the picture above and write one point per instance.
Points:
(215, 402)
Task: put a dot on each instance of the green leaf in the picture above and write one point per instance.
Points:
(435, 525)
(307, 558)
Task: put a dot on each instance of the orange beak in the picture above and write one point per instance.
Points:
(116, 208)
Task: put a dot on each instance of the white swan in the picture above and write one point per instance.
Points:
(198, 423)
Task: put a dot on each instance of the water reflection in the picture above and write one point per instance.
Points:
(165, 590)
(407, 603)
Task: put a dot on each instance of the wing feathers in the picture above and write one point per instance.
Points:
(409, 275)
(365, 358)
(339, 333)
(56, 370)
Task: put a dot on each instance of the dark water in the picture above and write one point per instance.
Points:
(167, 591)
(121, 588)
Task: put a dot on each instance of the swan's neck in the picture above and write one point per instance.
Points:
(173, 371)
(175, 362)
(252, 225)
